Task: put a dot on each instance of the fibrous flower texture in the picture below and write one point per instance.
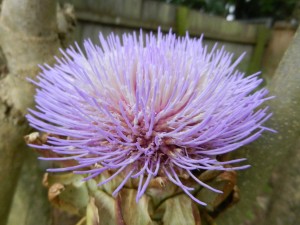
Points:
(147, 106)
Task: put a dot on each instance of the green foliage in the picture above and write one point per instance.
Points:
(217, 7)
(276, 9)
(244, 9)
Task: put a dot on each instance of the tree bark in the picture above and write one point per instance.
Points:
(284, 203)
(28, 36)
(271, 149)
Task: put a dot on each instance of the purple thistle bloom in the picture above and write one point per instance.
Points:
(162, 107)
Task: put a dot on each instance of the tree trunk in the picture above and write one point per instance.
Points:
(28, 36)
(284, 203)
(272, 150)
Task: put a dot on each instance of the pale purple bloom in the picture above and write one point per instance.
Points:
(149, 108)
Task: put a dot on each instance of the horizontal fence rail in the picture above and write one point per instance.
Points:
(121, 16)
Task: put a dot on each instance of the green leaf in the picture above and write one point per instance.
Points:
(134, 213)
(180, 210)
(92, 213)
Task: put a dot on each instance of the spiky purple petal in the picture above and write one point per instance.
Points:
(147, 108)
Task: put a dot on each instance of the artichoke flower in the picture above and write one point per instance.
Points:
(141, 127)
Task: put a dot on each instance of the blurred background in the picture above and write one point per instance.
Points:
(261, 28)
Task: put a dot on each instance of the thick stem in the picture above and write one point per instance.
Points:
(28, 36)
(271, 149)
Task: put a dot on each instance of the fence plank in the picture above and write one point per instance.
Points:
(263, 35)
(151, 14)
(220, 29)
(121, 16)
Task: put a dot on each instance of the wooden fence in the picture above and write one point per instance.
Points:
(121, 16)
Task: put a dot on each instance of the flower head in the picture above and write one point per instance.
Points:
(162, 106)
